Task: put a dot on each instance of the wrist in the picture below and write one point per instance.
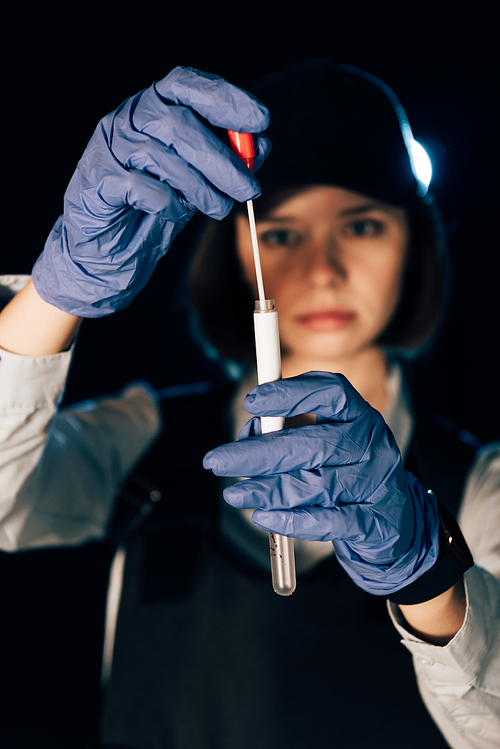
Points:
(453, 561)
(437, 621)
(29, 326)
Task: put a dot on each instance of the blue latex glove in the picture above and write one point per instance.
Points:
(148, 167)
(339, 480)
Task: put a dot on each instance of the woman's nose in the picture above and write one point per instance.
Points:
(325, 264)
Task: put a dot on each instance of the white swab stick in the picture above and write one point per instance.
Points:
(255, 247)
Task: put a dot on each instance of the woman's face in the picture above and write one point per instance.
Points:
(333, 260)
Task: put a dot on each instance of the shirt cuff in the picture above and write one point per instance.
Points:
(32, 382)
(473, 654)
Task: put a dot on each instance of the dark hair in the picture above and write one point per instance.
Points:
(224, 302)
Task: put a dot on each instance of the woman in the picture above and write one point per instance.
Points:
(204, 653)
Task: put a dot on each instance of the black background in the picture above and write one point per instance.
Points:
(63, 70)
(67, 68)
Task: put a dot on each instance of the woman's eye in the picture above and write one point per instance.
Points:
(278, 237)
(366, 227)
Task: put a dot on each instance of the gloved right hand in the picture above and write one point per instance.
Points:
(148, 168)
(340, 480)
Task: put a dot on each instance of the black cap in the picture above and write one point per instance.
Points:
(335, 124)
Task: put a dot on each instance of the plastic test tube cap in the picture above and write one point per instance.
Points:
(242, 145)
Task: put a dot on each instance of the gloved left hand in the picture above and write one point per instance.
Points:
(339, 480)
(150, 165)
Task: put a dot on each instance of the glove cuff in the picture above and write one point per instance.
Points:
(453, 561)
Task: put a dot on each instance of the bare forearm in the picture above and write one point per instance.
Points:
(437, 621)
(32, 327)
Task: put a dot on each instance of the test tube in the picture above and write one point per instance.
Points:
(267, 346)
(268, 350)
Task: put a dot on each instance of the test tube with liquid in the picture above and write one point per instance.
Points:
(267, 346)
(268, 351)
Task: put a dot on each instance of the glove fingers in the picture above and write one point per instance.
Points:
(153, 157)
(347, 524)
(305, 523)
(179, 129)
(218, 101)
(354, 525)
(328, 487)
(252, 428)
(329, 396)
(309, 447)
(95, 207)
(145, 193)
(284, 491)
(149, 176)
(262, 147)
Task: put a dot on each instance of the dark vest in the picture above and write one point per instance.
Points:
(207, 656)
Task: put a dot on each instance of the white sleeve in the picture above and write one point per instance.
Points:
(460, 682)
(479, 516)
(59, 472)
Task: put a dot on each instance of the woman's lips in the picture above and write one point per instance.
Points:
(327, 320)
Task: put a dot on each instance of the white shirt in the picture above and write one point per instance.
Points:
(59, 472)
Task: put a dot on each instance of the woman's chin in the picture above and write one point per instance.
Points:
(325, 346)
